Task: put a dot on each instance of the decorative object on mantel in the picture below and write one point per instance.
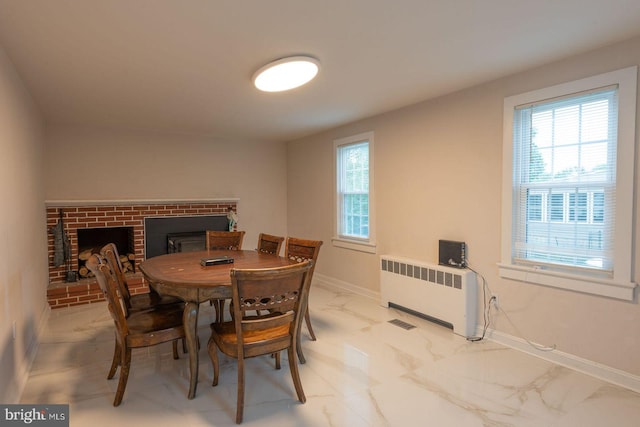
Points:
(233, 218)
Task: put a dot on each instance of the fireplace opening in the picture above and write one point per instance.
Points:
(91, 240)
(180, 233)
(186, 242)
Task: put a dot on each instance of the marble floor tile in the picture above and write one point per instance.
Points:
(362, 371)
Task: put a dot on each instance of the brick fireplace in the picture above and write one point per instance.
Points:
(93, 216)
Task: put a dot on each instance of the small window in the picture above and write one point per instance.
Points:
(534, 207)
(598, 207)
(556, 207)
(578, 207)
(354, 189)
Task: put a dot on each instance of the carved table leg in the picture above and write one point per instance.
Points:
(190, 319)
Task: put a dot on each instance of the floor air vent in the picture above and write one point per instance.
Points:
(400, 323)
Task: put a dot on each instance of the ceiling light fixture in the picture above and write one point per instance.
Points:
(286, 73)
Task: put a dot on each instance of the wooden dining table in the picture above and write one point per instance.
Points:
(182, 275)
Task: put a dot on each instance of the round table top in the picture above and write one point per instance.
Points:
(184, 268)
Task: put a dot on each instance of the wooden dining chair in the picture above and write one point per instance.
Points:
(231, 240)
(136, 302)
(134, 329)
(145, 301)
(283, 292)
(269, 244)
(301, 250)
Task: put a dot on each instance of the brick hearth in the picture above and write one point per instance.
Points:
(118, 214)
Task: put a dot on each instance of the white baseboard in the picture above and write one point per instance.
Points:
(339, 285)
(600, 371)
(597, 370)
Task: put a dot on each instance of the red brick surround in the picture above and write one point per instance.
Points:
(118, 214)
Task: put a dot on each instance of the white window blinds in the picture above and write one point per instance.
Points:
(564, 185)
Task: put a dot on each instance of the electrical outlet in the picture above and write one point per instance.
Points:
(496, 301)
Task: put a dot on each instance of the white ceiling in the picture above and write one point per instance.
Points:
(186, 65)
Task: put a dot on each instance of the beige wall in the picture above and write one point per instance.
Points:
(23, 236)
(104, 164)
(438, 176)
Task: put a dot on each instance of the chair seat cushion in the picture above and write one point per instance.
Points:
(150, 300)
(226, 333)
(159, 319)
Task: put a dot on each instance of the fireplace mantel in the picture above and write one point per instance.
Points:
(128, 202)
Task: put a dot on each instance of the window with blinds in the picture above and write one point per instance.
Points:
(568, 185)
(564, 180)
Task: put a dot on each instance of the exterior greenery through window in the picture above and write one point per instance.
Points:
(565, 168)
(354, 188)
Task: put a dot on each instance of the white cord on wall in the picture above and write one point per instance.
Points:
(487, 314)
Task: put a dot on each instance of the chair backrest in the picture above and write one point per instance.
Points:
(109, 252)
(269, 244)
(283, 291)
(109, 286)
(301, 249)
(224, 239)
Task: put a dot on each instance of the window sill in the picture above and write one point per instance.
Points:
(571, 282)
(354, 245)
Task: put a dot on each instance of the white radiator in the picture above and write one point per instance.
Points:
(443, 294)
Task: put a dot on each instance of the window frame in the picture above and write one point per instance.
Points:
(354, 243)
(620, 284)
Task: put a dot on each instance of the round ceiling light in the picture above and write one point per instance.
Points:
(286, 73)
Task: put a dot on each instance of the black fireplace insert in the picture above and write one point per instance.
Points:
(186, 233)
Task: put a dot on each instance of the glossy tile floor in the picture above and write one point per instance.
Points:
(362, 371)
